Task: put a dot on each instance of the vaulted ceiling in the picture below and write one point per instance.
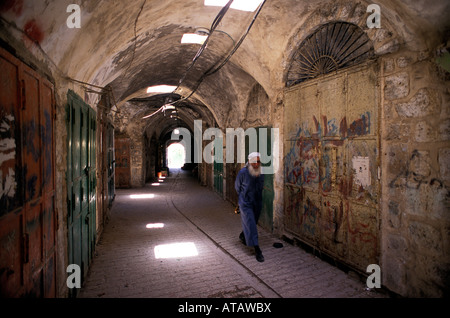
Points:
(131, 45)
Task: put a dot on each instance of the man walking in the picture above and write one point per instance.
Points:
(249, 185)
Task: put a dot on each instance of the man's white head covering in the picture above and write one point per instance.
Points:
(252, 158)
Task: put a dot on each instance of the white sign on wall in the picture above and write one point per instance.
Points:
(362, 172)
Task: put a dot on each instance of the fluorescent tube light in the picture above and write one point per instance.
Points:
(244, 5)
(168, 106)
(192, 38)
(161, 89)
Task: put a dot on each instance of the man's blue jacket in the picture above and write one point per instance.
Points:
(249, 190)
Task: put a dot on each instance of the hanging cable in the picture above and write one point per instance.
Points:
(213, 27)
(213, 69)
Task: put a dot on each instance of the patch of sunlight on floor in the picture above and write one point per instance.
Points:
(175, 250)
(142, 196)
(155, 226)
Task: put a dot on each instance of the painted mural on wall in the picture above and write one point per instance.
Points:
(8, 183)
(331, 165)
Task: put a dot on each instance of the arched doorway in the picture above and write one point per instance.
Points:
(176, 155)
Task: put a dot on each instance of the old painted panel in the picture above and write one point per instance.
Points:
(111, 167)
(362, 109)
(293, 201)
(302, 162)
(362, 164)
(92, 227)
(305, 107)
(50, 276)
(27, 187)
(266, 219)
(75, 153)
(49, 228)
(47, 116)
(31, 141)
(122, 166)
(49, 188)
(334, 226)
(81, 125)
(48, 217)
(362, 235)
(11, 264)
(331, 162)
(332, 103)
(75, 242)
(218, 171)
(85, 242)
(10, 155)
(332, 166)
(302, 213)
(33, 231)
(232, 169)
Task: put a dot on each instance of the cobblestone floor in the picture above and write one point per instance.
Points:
(180, 211)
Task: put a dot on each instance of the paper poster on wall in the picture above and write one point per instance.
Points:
(362, 171)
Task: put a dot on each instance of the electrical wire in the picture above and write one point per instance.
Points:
(215, 68)
(213, 27)
(211, 71)
(135, 40)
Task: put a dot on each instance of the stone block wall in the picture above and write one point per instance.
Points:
(415, 205)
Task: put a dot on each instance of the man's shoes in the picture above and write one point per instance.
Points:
(242, 238)
(259, 255)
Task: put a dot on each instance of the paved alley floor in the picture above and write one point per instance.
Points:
(177, 239)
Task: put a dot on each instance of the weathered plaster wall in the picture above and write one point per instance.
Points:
(414, 134)
(416, 187)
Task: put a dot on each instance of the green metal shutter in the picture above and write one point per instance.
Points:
(81, 181)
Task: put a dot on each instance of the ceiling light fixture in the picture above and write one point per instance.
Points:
(192, 38)
(161, 89)
(247, 5)
(167, 107)
(243, 5)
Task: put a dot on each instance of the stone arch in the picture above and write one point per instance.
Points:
(258, 107)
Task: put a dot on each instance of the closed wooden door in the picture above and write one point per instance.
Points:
(331, 164)
(27, 182)
(122, 165)
(81, 182)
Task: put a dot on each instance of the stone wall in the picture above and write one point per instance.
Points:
(415, 176)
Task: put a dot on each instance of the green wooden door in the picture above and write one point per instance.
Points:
(110, 163)
(266, 218)
(218, 170)
(81, 182)
(264, 137)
